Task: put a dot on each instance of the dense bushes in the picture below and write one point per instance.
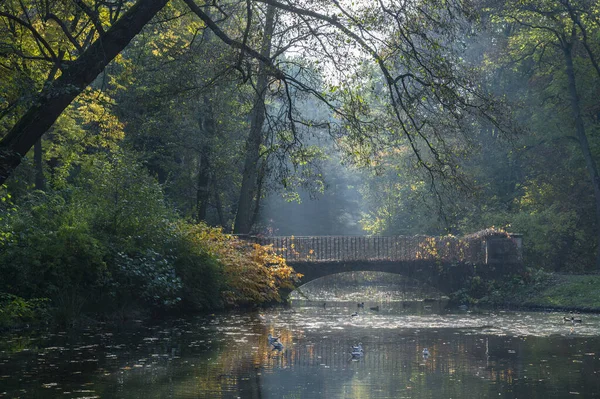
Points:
(110, 245)
(243, 273)
(46, 252)
(15, 310)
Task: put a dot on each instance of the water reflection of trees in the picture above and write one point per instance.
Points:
(459, 365)
(229, 356)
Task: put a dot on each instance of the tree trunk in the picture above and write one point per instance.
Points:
(75, 77)
(244, 216)
(582, 137)
(203, 189)
(39, 166)
(219, 206)
(259, 188)
(208, 131)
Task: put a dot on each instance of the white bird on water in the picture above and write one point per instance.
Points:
(357, 350)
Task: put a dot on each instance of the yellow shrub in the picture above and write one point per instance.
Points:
(252, 273)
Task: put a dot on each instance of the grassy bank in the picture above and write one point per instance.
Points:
(577, 292)
(534, 290)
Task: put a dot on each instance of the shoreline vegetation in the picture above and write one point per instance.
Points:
(562, 292)
(74, 255)
(535, 290)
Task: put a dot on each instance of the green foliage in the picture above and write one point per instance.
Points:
(84, 129)
(16, 311)
(7, 210)
(93, 245)
(477, 290)
(200, 271)
(554, 239)
(534, 288)
(514, 290)
(122, 203)
(108, 243)
(49, 251)
(149, 276)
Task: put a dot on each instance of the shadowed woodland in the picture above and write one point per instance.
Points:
(135, 136)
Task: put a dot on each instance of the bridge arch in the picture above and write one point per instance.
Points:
(447, 278)
(365, 286)
(445, 263)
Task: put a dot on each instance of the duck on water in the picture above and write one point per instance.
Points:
(572, 319)
(272, 339)
(357, 350)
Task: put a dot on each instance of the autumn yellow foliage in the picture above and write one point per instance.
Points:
(249, 273)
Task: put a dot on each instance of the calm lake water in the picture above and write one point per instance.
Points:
(472, 355)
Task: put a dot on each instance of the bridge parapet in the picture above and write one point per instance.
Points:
(485, 247)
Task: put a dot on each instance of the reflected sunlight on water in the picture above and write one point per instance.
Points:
(471, 355)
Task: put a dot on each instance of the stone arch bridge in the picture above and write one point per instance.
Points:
(445, 263)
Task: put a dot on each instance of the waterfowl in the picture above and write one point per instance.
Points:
(360, 305)
(354, 314)
(357, 350)
(572, 319)
(425, 352)
(376, 308)
(277, 345)
(272, 339)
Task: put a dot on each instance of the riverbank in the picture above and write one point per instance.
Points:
(559, 292)
(535, 290)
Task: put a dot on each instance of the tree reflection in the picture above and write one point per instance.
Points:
(229, 356)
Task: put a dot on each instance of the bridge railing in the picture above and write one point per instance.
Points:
(476, 248)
